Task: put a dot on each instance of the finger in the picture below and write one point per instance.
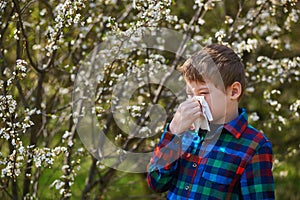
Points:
(196, 104)
(188, 101)
(196, 110)
(195, 116)
(193, 103)
(190, 108)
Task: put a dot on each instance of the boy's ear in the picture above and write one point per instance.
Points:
(235, 90)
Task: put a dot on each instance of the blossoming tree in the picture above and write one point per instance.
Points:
(43, 44)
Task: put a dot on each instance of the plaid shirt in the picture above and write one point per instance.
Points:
(237, 166)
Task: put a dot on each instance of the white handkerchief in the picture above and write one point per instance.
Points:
(203, 121)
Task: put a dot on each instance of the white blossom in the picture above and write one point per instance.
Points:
(66, 15)
(220, 35)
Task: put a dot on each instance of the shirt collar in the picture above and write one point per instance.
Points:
(237, 126)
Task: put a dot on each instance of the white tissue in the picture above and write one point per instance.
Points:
(203, 121)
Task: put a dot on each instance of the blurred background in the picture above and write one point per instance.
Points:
(44, 43)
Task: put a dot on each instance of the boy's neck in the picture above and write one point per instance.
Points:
(232, 115)
(228, 117)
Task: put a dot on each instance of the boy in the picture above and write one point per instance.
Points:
(230, 161)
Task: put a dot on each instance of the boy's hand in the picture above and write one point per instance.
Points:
(187, 112)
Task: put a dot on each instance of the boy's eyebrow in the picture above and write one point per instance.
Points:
(203, 88)
(197, 89)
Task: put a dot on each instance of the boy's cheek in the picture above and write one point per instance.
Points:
(208, 100)
(214, 108)
(213, 113)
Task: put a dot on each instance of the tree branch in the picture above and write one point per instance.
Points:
(89, 184)
(33, 64)
(37, 120)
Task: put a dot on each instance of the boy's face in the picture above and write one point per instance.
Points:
(216, 98)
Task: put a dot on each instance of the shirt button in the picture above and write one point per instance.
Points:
(187, 187)
(177, 141)
(194, 164)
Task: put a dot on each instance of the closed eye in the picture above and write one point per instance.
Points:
(203, 93)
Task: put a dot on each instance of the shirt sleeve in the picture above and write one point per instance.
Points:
(164, 162)
(257, 180)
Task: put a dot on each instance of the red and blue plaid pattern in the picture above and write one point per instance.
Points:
(238, 166)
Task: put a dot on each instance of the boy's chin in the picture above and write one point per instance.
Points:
(218, 121)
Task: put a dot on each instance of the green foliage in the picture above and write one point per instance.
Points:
(43, 44)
